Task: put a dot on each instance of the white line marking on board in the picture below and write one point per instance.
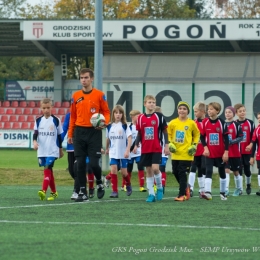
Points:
(126, 224)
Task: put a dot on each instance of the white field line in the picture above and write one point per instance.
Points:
(126, 224)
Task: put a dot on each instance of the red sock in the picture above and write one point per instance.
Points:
(46, 180)
(141, 178)
(114, 182)
(163, 179)
(127, 180)
(91, 180)
(52, 183)
(108, 177)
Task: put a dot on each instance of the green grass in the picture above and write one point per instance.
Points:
(34, 229)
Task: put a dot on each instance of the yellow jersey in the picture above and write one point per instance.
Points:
(183, 134)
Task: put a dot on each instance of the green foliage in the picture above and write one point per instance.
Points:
(9, 8)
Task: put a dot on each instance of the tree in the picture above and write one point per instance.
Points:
(202, 7)
(9, 8)
(237, 8)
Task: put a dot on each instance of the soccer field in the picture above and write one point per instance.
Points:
(128, 227)
(123, 228)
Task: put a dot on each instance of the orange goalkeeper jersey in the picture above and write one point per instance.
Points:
(84, 105)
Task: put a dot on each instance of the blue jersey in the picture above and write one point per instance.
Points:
(70, 147)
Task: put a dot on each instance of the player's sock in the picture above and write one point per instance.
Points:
(141, 178)
(52, 183)
(222, 185)
(192, 177)
(91, 178)
(127, 180)
(237, 181)
(248, 180)
(108, 177)
(150, 182)
(241, 182)
(208, 183)
(201, 184)
(158, 180)
(46, 180)
(164, 176)
(114, 182)
(130, 175)
(227, 181)
(258, 177)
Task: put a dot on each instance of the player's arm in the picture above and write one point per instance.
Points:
(129, 142)
(72, 120)
(65, 126)
(239, 137)
(35, 137)
(137, 141)
(166, 140)
(105, 109)
(226, 143)
(107, 142)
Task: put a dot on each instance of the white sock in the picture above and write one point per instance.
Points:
(258, 180)
(241, 182)
(201, 183)
(192, 177)
(149, 183)
(248, 180)
(237, 181)
(208, 183)
(158, 180)
(222, 185)
(227, 181)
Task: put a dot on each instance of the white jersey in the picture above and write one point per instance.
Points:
(48, 131)
(134, 135)
(117, 133)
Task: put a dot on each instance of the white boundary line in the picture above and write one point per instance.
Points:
(126, 224)
(84, 203)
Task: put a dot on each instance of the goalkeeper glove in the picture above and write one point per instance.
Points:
(192, 149)
(172, 148)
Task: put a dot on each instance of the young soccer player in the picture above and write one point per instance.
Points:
(184, 136)
(199, 160)
(214, 138)
(135, 157)
(235, 136)
(119, 140)
(152, 127)
(256, 142)
(164, 159)
(48, 143)
(248, 128)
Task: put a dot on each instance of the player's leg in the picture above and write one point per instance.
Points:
(126, 177)
(46, 178)
(156, 161)
(246, 166)
(163, 171)
(114, 179)
(183, 169)
(222, 175)
(192, 175)
(227, 170)
(209, 162)
(258, 177)
(140, 174)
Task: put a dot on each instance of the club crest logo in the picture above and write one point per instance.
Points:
(186, 127)
(218, 129)
(246, 127)
(92, 110)
(153, 122)
(230, 130)
(37, 29)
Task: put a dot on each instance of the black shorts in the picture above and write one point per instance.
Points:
(235, 163)
(245, 159)
(227, 165)
(87, 141)
(147, 159)
(199, 161)
(217, 162)
(179, 166)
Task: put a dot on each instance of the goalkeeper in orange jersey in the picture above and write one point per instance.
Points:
(184, 136)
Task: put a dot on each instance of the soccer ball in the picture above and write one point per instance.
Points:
(97, 120)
